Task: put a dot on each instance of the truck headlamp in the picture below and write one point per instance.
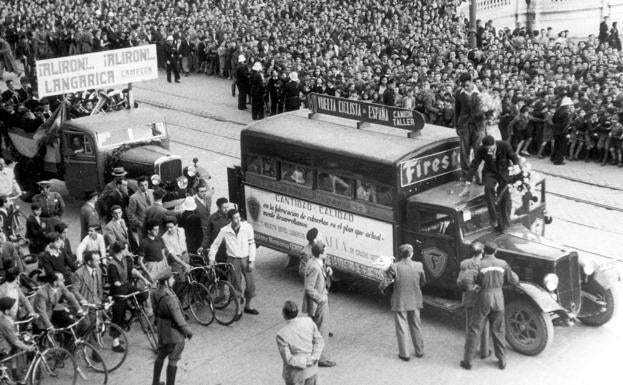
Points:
(550, 281)
(182, 182)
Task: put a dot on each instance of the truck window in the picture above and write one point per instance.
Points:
(371, 192)
(126, 135)
(434, 222)
(80, 144)
(336, 184)
(475, 219)
(262, 165)
(297, 174)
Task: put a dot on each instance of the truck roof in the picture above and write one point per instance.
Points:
(112, 120)
(340, 135)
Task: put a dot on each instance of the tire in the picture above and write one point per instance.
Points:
(149, 330)
(200, 304)
(606, 295)
(55, 366)
(90, 364)
(103, 344)
(225, 300)
(18, 224)
(529, 330)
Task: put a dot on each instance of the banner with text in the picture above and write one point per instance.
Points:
(354, 243)
(430, 166)
(96, 70)
(366, 112)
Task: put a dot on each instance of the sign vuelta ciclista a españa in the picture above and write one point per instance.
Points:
(96, 70)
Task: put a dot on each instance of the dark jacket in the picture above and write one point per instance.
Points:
(257, 85)
(498, 166)
(242, 78)
(35, 234)
(562, 121)
(171, 324)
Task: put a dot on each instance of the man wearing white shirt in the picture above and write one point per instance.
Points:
(94, 241)
(240, 244)
(175, 241)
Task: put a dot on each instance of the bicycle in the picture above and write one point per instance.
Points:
(89, 363)
(195, 296)
(224, 297)
(50, 366)
(137, 312)
(101, 337)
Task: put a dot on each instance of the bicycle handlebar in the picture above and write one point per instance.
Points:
(134, 294)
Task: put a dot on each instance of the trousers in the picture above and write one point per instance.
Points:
(308, 381)
(321, 319)
(240, 271)
(470, 139)
(498, 200)
(487, 311)
(409, 322)
(484, 339)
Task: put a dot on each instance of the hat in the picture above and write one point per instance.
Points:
(118, 171)
(241, 58)
(257, 66)
(566, 101)
(294, 76)
(165, 274)
(6, 303)
(44, 183)
(189, 204)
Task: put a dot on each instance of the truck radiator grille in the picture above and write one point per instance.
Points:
(170, 170)
(569, 285)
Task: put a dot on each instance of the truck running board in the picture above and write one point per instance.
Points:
(450, 305)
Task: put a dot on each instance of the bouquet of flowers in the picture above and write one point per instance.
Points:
(522, 185)
(491, 106)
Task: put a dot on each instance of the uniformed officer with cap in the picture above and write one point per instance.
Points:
(493, 273)
(52, 204)
(172, 327)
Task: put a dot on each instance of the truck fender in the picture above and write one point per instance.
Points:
(605, 275)
(537, 295)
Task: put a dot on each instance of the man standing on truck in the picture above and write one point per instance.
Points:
(493, 273)
(468, 272)
(497, 156)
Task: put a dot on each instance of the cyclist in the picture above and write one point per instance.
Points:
(12, 289)
(87, 280)
(9, 341)
(120, 272)
(175, 241)
(46, 300)
(55, 259)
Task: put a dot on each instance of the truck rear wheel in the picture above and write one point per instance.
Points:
(608, 297)
(529, 330)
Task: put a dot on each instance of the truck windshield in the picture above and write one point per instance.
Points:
(119, 136)
(475, 219)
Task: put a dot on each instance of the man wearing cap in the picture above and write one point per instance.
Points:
(138, 204)
(406, 302)
(117, 173)
(257, 92)
(217, 221)
(316, 297)
(116, 229)
(300, 345)
(468, 271)
(239, 240)
(52, 204)
(172, 327)
(89, 216)
(493, 274)
(242, 81)
(497, 156)
(563, 117)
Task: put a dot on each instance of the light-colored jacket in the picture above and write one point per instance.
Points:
(408, 276)
(136, 209)
(316, 291)
(298, 341)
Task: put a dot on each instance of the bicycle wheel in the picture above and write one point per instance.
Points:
(102, 338)
(90, 365)
(200, 304)
(225, 300)
(149, 330)
(54, 366)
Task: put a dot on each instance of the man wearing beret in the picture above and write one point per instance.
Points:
(172, 327)
(493, 274)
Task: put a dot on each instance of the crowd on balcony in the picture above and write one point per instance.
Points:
(404, 53)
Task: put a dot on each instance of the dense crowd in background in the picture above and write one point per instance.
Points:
(404, 53)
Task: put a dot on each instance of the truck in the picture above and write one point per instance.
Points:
(369, 188)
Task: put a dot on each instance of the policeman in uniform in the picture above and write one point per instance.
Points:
(172, 327)
(493, 273)
(52, 205)
(468, 271)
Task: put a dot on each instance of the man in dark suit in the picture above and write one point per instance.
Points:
(316, 298)
(172, 59)
(88, 214)
(603, 30)
(497, 157)
(172, 327)
(406, 302)
(300, 345)
(242, 81)
(468, 271)
(257, 92)
(87, 280)
(35, 230)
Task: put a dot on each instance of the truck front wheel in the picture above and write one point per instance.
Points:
(608, 298)
(529, 330)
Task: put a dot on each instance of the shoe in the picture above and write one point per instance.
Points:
(502, 365)
(419, 355)
(562, 162)
(118, 349)
(326, 364)
(177, 81)
(466, 365)
(238, 317)
(251, 311)
(405, 359)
